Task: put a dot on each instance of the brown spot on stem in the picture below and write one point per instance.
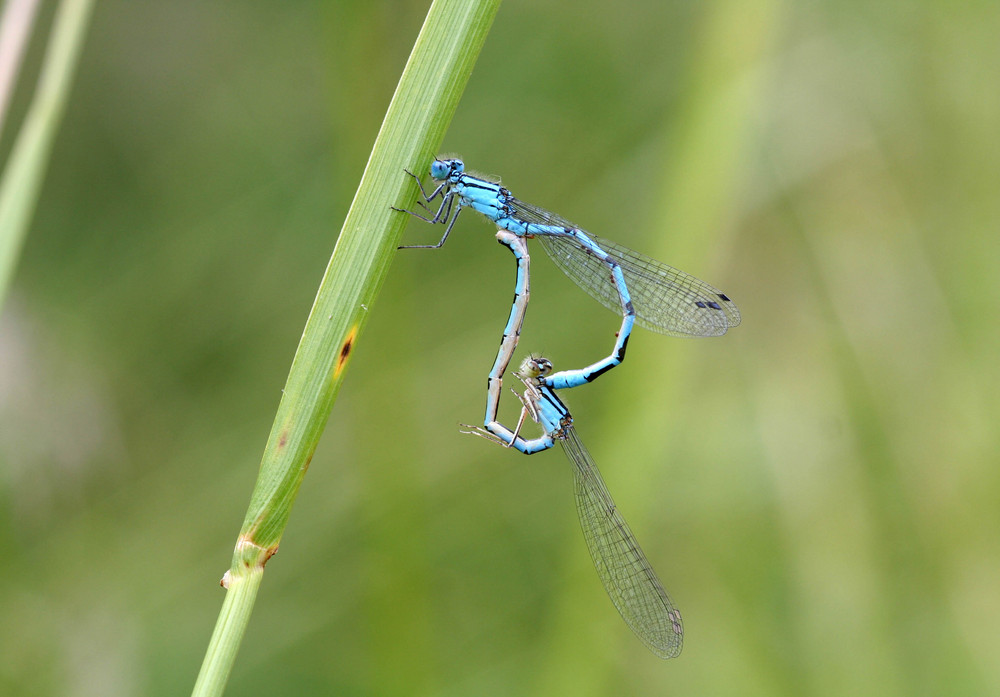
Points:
(345, 351)
(249, 556)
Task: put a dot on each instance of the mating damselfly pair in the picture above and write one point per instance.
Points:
(643, 290)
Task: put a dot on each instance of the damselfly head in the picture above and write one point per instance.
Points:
(535, 367)
(444, 168)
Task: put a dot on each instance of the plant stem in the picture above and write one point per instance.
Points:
(229, 629)
(421, 109)
(16, 23)
(22, 177)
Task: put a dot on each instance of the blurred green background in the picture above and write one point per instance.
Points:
(819, 489)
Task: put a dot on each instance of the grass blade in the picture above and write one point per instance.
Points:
(421, 109)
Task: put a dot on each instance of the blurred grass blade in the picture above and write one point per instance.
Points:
(22, 176)
(16, 23)
(421, 109)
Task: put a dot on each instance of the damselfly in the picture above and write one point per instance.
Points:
(657, 296)
(627, 576)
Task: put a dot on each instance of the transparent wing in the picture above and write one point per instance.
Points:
(626, 574)
(533, 214)
(666, 300)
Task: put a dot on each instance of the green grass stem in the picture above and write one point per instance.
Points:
(25, 170)
(421, 109)
(17, 20)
